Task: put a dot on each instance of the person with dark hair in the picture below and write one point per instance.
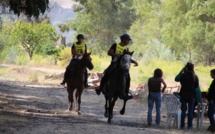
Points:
(115, 51)
(154, 86)
(211, 101)
(189, 83)
(78, 49)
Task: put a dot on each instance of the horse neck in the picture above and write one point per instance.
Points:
(81, 66)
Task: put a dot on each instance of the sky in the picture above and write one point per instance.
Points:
(61, 11)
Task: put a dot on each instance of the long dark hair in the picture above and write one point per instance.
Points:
(190, 68)
(158, 73)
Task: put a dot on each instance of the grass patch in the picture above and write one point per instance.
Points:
(34, 78)
(4, 71)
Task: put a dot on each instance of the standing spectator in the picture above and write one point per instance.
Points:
(189, 83)
(154, 85)
(211, 101)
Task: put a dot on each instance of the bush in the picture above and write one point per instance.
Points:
(22, 59)
(40, 60)
(12, 53)
(34, 77)
(65, 56)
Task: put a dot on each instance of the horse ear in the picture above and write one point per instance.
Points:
(132, 53)
(89, 53)
(125, 51)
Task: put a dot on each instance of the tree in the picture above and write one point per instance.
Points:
(102, 21)
(189, 28)
(31, 35)
(29, 7)
(146, 29)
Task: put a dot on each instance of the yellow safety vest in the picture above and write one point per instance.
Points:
(79, 48)
(120, 49)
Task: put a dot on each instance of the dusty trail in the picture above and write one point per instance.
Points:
(26, 108)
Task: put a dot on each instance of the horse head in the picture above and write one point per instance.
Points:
(87, 61)
(125, 60)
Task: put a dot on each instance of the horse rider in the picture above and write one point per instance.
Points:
(78, 49)
(115, 51)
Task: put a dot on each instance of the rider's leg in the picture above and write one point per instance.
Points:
(121, 87)
(67, 72)
(124, 93)
(102, 83)
(128, 86)
(65, 76)
(105, 77)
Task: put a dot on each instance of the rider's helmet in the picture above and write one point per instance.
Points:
(125, 36)
(80, 36)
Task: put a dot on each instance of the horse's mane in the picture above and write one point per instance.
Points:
(124, 53)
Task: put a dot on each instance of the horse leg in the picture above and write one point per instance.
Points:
(78, 99)
(122, 111)
(70, 96)
(109, 110)
(111, 106)
(106, 107)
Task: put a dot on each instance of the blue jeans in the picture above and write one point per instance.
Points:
(190, 112)
(211, 111)
(154, 98)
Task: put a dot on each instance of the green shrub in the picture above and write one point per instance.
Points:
(40, 60)
(65, 56)
(97, 62)
(11, 54)
(22, 59)
(34, 78)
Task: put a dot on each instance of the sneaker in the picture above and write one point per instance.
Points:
(181, 127)
(189, 128)
(209, 128)
(212, 128)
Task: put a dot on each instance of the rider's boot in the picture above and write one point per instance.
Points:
(63, 83)
(102, 83)
(123, 96)
(99, 90)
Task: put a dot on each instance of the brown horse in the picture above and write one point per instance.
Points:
(76, 80)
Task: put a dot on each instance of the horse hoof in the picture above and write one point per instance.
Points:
(76, 109)
(109, 121)
(111, 116)
(70, 108)
(106, 114)
(79, 112)
(122, 112)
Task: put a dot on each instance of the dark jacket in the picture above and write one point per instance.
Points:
(211, 91)
(188, 86)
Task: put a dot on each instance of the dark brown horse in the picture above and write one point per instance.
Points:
(116, 84)
(76, 81)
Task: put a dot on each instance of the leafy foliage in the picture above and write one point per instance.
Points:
(186, 27)
(29, 7)
(32, 35)
(102, 23)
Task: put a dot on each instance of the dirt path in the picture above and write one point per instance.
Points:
(29, 108)
(41, 109)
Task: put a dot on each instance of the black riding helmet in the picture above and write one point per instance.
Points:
(80, 36)
(125, 36)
